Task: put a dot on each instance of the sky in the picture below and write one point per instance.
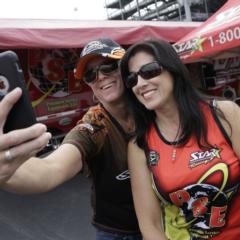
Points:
(54, 9)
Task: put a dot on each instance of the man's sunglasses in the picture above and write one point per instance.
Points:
(147, 71)
(106, 68)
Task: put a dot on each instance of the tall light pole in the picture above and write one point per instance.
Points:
(187, 10)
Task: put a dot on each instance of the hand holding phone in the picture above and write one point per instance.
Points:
(11, 76)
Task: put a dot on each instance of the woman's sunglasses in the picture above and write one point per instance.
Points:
(106, 68)
(147, 71)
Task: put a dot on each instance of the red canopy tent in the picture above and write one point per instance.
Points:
(49, 49)
(35, 33)
(216, 36)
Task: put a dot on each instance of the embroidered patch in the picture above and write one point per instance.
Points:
(153, 158)
(86, 126)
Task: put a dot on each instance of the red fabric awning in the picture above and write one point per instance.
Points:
(220, 33)
(32, 33)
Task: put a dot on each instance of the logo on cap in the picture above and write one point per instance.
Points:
(93, 46)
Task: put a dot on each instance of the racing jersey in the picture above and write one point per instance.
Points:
(103, 145)
(198, 191)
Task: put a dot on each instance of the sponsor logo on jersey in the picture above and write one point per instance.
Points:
(153, 158)
(204, 157)
(123, 176)
(200, 208)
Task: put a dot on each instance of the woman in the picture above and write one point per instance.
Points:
(98, 144)
(186, 149)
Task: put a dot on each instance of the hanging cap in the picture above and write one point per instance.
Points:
(104, 47)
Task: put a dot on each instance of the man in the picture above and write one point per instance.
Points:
(98, 145)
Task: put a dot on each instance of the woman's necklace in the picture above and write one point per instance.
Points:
(174, 151)
(174, 145)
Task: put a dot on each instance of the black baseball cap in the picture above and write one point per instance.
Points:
(104, 47)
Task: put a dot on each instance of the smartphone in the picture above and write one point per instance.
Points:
(11, 76)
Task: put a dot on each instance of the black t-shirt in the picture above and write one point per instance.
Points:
(103, 145)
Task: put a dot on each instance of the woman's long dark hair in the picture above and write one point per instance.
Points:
(192, 120)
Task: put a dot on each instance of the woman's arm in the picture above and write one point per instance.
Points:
(38, 175)
(232, 113)
(21, 173)
(146, 204)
